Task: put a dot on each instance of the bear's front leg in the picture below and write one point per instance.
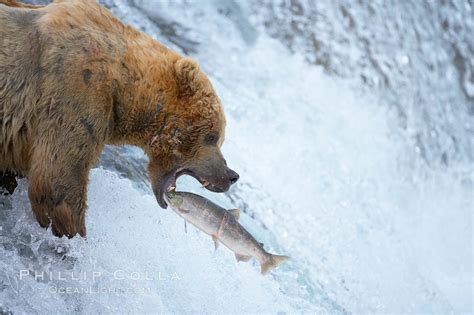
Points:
(60, 200)
(58, 180)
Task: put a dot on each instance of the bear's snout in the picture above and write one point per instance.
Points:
(233, 176)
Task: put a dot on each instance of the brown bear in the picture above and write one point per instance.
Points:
(74, 78)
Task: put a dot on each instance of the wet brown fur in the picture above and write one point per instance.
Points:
(74, 78)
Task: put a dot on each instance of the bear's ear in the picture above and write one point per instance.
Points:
(187, 77)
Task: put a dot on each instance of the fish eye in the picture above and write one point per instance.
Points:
(211, 138)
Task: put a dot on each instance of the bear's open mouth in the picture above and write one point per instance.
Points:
(169, 183)
(172, 182)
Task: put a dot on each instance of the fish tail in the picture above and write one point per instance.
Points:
(273, 261)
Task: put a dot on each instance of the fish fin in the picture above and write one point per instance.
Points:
(185, 227)
(242, 257)
(273, 262)
(261, 244)
(235, 213)
(184, 211)
(216, 242)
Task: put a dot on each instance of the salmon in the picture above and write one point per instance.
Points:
(223, 226)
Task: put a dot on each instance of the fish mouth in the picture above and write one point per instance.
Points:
(169, 184)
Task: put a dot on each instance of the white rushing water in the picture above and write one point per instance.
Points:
(329, 176)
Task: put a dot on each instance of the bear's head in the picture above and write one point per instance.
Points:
(187, 135)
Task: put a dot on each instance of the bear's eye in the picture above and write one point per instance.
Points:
(210, 139)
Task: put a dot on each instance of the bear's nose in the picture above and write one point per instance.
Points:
(233, 176)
